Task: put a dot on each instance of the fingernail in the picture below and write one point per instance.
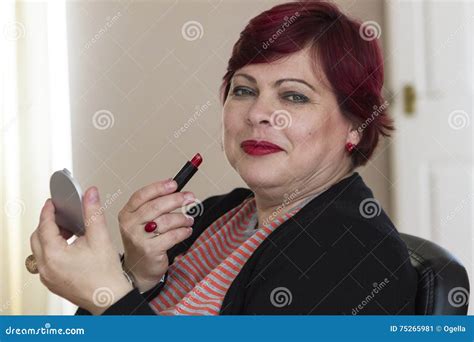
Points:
(190, 231)
(170, 185)
(93, 195)
(189, 196)
(190, 219)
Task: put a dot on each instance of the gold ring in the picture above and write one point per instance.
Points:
(30, 263)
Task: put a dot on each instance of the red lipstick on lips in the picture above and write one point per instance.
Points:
(259, 148)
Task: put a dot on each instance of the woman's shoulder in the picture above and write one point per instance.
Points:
(349, 215)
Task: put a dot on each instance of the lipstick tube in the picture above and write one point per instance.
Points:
(187, 171)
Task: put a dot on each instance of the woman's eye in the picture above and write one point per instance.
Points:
(297, 98)
(241, 91)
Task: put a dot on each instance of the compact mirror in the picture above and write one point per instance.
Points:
(66, 195)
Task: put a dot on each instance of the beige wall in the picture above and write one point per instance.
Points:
(151, 80)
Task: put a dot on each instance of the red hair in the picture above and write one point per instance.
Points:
(346, 50)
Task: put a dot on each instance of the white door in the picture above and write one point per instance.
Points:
(429, 59)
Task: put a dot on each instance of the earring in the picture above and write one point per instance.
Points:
(349, 147)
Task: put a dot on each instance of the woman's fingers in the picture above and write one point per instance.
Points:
(94, 217)
(148, 193)
(48, 232)
(171, 221)
(165, 241)
(36, 246)
(162, 205)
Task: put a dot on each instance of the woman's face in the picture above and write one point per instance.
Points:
(287, 104)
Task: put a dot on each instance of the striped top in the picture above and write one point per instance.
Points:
(199, 279)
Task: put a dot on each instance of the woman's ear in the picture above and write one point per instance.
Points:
(354, 136)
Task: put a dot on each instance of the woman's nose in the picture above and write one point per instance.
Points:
(260, 112)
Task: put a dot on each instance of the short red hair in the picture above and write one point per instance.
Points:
(356, 80)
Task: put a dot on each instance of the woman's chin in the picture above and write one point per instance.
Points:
(260, 178)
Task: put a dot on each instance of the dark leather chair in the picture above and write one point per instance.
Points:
(443, 284)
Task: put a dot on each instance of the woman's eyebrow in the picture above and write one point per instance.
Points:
(248, 77)
(279, 82)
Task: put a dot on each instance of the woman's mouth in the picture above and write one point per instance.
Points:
(259, 148)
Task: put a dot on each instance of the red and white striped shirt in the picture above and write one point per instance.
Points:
(199, 279)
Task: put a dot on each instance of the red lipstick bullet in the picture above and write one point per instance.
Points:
(188, 171)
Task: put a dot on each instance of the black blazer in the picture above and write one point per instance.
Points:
(330, 258)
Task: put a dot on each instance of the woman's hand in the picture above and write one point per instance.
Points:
(145, 254)
(86, 272)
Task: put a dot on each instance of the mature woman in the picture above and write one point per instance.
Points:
(302, 108)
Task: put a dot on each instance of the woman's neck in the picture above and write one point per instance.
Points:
(268, 208)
